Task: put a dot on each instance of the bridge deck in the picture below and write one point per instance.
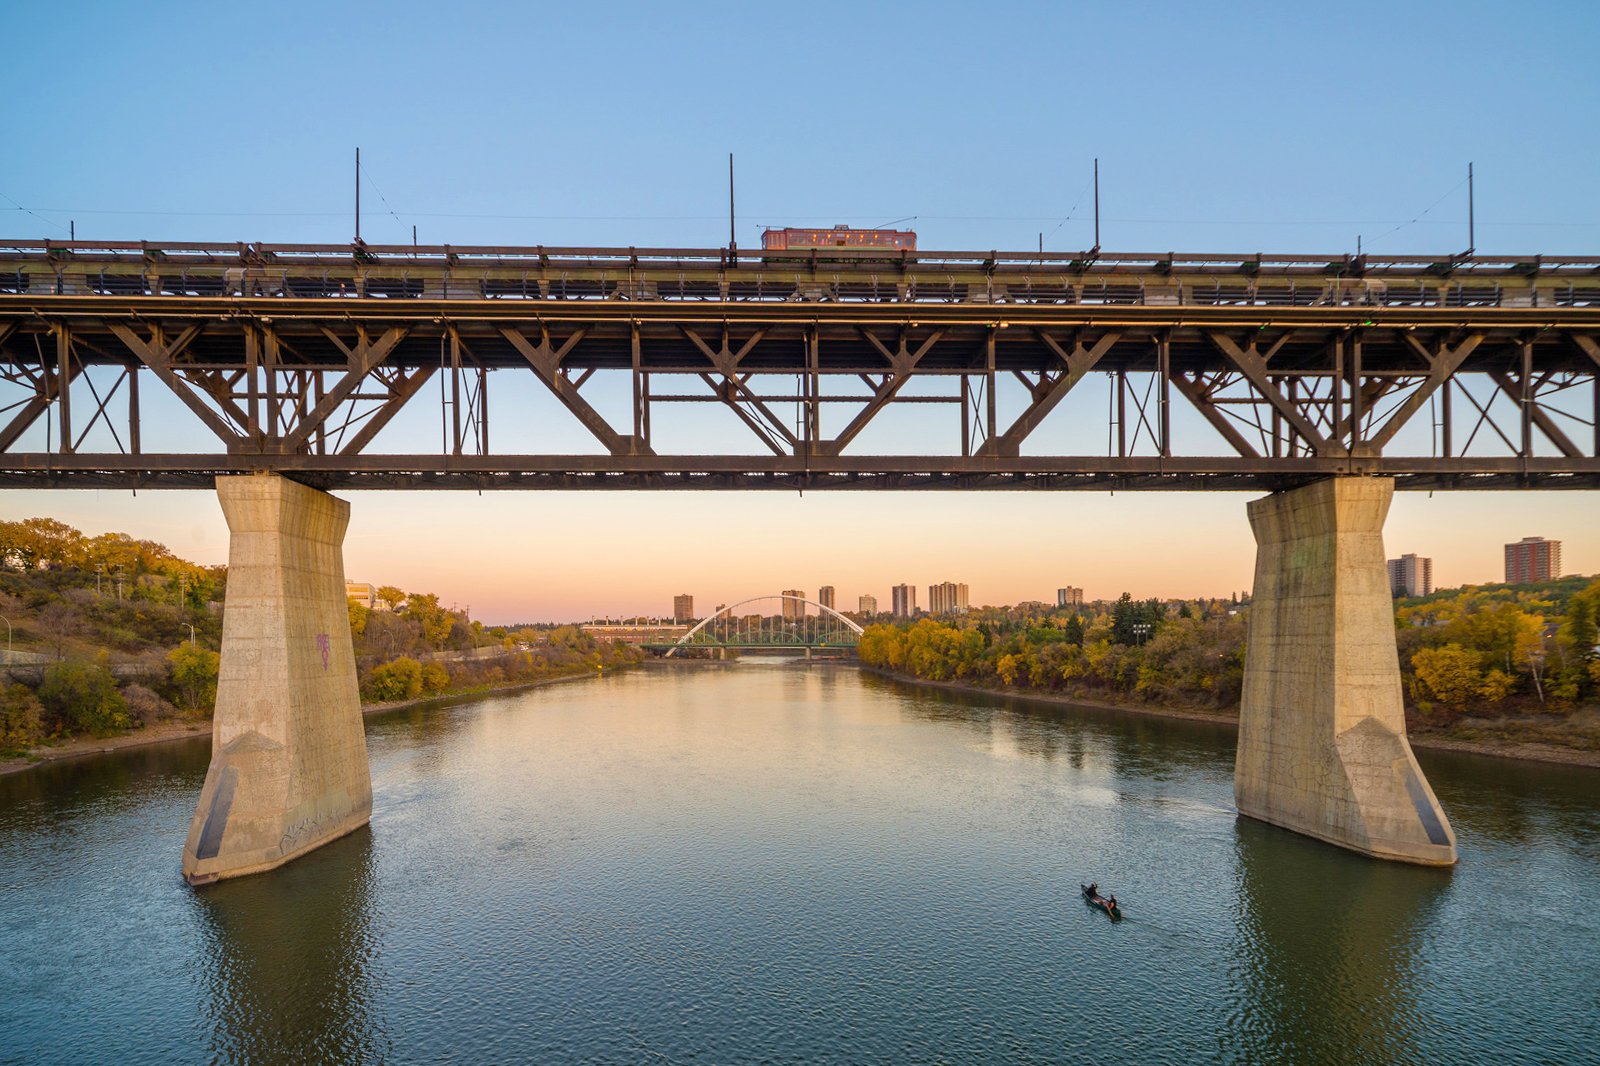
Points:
(1209, 371)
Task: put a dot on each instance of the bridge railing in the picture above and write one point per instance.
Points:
(446, 272)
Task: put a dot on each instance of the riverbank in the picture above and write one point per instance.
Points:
(190, 728)
(1500, 747)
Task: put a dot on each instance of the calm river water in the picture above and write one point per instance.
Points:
(780, 864)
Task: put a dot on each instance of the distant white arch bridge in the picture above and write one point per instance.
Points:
(792, 625)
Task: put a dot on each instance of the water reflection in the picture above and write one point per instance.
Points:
(1328, 959)
(94, 780)
(289, 958)
(1132, 745)
(1506, 802)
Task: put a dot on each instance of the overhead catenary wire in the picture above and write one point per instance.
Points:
(367, 177)
(1418, 219)
(1413, 221)
(35, 214)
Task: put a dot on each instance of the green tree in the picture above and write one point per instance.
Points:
(83, 695)
(389, 596)
(192, 672)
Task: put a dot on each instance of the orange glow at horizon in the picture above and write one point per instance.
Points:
(527, 557)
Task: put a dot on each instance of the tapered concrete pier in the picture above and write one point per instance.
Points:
(288, 756)
(1322, 734)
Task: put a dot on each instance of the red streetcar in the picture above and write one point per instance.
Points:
(804, 240)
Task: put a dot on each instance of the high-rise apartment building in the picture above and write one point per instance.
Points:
(867, 605)
(825, 596)
(903, 600)
(947, 598)
(794, 606)
(1410, 575)
(1532, 559)
(1069, 597)
(683, 609)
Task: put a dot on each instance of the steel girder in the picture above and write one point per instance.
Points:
(306, 387)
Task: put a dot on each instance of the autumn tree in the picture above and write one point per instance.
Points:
(400, 679)
(423, 608)
(83, 695)
(193, 675)
(34, 542)
(21, 719)
(1451, 674)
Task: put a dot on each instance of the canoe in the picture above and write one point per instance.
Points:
(1094, 899)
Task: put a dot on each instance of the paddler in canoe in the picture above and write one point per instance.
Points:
(1091, 893)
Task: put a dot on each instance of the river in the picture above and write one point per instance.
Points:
(760, 862)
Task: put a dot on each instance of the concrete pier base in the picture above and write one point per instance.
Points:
(288, 756)
(1322, 734)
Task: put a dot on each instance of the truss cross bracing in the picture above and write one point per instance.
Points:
(131, 366)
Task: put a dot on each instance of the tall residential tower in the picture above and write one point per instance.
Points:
(1532, 559)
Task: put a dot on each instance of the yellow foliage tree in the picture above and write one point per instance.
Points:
(1450, 673)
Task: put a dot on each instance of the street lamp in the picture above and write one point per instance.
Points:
(191, 632)
(8, 637)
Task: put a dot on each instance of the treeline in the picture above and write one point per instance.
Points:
(109, 633)
(103, 633)
(1491, 649)
(412, 646)
(1499, 645)
(1186, 654)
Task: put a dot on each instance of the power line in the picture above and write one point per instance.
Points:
(1419, 219)
(380, 195)
(1411, 222)
(36, 215)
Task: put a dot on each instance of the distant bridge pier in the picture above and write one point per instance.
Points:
(1322, 734)
(288, 756)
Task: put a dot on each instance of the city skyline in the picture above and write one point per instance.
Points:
(414, 553)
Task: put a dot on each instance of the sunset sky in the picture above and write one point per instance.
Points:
(1230, 128)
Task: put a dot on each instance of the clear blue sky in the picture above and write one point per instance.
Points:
(1226, 127)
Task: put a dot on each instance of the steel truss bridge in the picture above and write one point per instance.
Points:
(1207, 371)
(793, 627)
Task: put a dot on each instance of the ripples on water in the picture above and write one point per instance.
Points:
(779, 864)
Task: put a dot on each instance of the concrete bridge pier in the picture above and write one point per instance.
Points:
(1322, 734)
(288, 756)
